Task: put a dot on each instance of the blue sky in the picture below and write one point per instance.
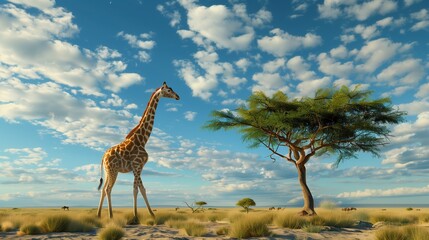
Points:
(75, 77)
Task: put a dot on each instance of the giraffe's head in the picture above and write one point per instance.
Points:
(168, 92)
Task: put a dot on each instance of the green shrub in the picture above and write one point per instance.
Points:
(409, 209)
(111, 232)
(29, 229)
(56, 223)
(249, 227)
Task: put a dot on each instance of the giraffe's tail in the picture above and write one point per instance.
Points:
(101, 176)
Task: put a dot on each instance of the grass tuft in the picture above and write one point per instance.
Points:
(247, 227)
(402, 233)
(111, 232)
(312, 228)
(191, 228)
(55, 223)
(7, 226)
(394, 220)
(29, 229)
(290, 220)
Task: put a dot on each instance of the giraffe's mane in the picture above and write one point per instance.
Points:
(144, 114)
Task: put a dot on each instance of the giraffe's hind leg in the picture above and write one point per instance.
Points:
(102, 195)
(108, 190)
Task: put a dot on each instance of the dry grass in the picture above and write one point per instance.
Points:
(249, 226)
(111, 232)
(402, 233)
(222, 222)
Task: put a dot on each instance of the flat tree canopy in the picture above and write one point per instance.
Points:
(341, 121)
(246, 203)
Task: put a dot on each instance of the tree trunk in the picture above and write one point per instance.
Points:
(308, 208)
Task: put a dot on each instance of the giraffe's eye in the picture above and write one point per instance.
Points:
(168, 90)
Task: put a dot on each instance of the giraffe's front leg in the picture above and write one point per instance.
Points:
(135, 192)
(143, 192)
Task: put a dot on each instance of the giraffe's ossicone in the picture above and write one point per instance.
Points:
(130, 155)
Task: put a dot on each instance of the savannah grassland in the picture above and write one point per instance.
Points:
(221, 223)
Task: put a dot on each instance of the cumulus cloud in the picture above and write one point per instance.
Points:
(400, 191)
(377, 52)
(190, 116)
(407, 72)
(356, 9)
(219, 25)
(281, 43)
(33, 47)
(141, 42)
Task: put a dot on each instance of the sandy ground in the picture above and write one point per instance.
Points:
(163, 232)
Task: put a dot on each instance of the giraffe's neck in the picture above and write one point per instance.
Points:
(143, 130)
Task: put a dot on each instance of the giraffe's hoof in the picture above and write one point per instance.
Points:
(133, 221)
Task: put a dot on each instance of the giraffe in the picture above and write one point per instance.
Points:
(130, 154)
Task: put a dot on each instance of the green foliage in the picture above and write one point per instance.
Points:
(200, 203)
(337, 121)
(409, 209)
(246, 203)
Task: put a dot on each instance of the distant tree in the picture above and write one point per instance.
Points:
(336, 121)
(194, 209)
(246, 203)
(200, 204)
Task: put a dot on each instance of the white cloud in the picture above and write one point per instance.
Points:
(282, 43)
(367, 32)
(423, 91)
(407, 72)
(140, 42)
(26, 156)
(415, 107)
(329, 66)
(243, 64)
(190, 116)
(72, 120)
(174, 16)
(377, 52)
(301, 69)
(33, 47)
(269, 83)
(400, 191)
(218, 25)
(333, 9)
(423, 20)
(274, 65)
(411, 2)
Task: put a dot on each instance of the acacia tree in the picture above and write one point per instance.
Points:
(341, 121)
(246, 203)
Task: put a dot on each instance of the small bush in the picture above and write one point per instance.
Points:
(312, 228)
(249, 227)
(111, 232)
(409, 209)
(292, 221)
(29, 229)
(56, 223)
(7, 226)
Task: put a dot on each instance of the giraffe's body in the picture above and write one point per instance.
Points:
(130, 155)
